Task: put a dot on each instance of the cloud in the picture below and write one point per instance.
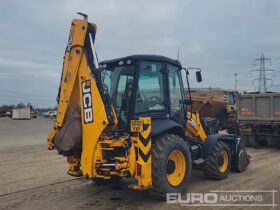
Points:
(221, 37)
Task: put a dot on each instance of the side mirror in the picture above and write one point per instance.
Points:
(198, 76)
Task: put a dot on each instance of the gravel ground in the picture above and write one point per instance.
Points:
(31, 177)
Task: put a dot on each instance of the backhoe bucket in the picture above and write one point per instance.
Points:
(68, 140)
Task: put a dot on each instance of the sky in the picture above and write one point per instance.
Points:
(222, 37)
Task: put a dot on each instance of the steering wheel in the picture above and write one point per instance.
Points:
(154, 99)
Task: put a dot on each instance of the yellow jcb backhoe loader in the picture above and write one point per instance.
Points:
(127, 118)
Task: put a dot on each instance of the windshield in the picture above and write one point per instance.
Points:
(231, 98)
(118, 80)
(149, 89)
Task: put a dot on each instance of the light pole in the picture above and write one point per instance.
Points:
(235, 81)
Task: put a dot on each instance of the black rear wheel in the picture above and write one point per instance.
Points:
(171, 165)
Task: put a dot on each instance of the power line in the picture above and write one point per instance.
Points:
(276, 62)
(244, 80)
(262, 80)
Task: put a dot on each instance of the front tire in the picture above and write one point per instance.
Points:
(171, 165)
(218, 163)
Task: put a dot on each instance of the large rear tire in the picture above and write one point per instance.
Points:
(171, 165)
(218, 163)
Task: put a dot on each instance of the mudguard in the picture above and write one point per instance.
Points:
(160, 126)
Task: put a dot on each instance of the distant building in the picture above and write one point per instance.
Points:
(21, 113)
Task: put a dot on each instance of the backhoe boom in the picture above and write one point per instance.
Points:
(83, 106)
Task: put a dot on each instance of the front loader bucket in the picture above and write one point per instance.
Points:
(240, 158)
(243, 159)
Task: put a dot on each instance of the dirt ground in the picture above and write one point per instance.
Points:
(31, 177)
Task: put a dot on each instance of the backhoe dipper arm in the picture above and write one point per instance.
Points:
(84, 107)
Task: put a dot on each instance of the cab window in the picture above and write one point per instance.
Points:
(150, 93)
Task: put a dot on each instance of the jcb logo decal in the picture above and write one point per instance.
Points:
(70, 40)
(87, 102)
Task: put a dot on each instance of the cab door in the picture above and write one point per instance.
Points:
(150, 96)
(177, 111)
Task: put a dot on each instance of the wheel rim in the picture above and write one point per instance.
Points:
(223, 161)
(176, 168)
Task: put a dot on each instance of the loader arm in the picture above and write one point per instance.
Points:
(84, 107)
(194, 127)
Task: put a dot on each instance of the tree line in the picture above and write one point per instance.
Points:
(8, 108)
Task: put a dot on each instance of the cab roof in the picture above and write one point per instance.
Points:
(143, 57)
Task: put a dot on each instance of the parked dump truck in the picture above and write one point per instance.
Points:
(216, 103)
(259, 117)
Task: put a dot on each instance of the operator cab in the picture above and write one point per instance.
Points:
(145, 85)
